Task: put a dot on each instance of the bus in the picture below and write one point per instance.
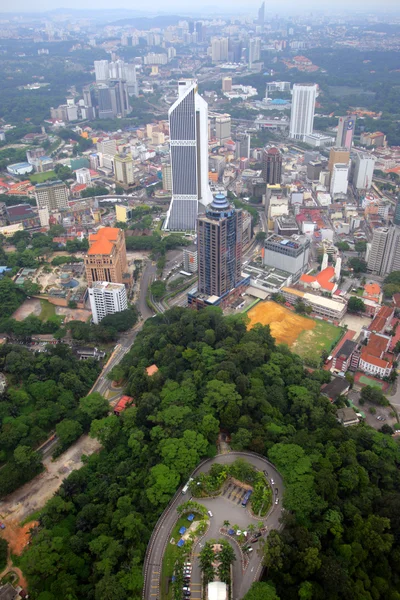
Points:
(185, 273)
(186, 486)
(246, 498)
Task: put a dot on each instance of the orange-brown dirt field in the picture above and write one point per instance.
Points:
(286, 326)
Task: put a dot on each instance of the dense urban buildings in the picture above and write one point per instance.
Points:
(188, 124)
(303, 109)
(106, 299)
(219, 243)
(106, 258)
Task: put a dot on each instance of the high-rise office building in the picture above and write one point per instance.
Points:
(106, 299)
(223, 128)
(338, 155)
(123, 169)
(261, 15)
(166, 177)
(106, 258)
(254, 50)
(106, 110)
(288, 254)
(384, 254)
(83, 176)
(339, 179)
(87, 96)
(396, 219)
(188, 131)
(272, 165)
(345, 133)
(243, 145)
(219, 49)
(303, 109)
(52, 194)
(101, 69)
(363, 171)
(199, 31)
(219, 247)
(227, 84)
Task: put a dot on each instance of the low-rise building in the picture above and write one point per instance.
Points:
(328, 308)
(342, 360)
(339, 386)
(374, 358)
(347, 417)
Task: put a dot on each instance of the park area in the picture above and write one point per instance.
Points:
(306, 337)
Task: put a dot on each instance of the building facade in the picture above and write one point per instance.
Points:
(384, 254)
(339, 179)
(106, 257)
(272, 166)
(303, 109)
(345, 132)
(287, 254)
(52, 194)
(363, 171)
(106, 299)
(123, 169)
(188, 126)
(219, 247)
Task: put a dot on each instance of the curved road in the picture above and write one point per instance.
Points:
(222, 509)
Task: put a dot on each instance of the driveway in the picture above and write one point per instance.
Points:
(222, 509)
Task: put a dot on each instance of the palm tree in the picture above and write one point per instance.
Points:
(226, 524)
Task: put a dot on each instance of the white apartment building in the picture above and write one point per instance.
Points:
(339, 181)
(364, 171)
(83, 176)
(106, 299)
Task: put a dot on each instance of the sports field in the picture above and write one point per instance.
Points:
(370, 381)
(305, 336)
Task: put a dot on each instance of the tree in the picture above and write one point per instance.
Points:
(162, 484)
(26, 458)
(3, 553)
(158, 289)
(358, 265)
(68, 431)
(94, 406)
(356, 305)
(261, 590)
(261, 236)
(106, 430)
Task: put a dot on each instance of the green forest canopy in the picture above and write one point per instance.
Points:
(342, 526)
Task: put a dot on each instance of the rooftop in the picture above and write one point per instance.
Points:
(346, 350)
(103, 241)
(335, 388)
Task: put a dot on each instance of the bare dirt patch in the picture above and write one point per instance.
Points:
(16, 536)
(73, 314)
(286, 326)
(29, 307)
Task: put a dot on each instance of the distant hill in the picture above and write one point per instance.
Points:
(148, 22)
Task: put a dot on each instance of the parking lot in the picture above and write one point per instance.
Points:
(234, 493)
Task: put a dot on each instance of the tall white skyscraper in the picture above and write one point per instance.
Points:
(188, 130)
(106, 299)
(303, 108)
(254, 50)
(384, 254)
(363, 171)
(101, 70)
(219, 49)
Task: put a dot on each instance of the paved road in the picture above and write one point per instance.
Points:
(222, 509)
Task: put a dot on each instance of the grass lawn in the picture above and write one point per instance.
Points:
(41, 177)
(170, 556)
(48, 310)
(372, 382)
(312, 342)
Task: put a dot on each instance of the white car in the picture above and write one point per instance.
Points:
(277, 501)
(210, 513)
(272, 481)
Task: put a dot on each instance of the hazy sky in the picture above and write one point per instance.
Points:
(185, 7)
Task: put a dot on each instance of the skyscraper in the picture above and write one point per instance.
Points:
(188, 127)
(303, 108)
(272, 165)
(384, 255)
(123, 169)
(254, 50)
(106, 258)
(219, 49)
(261, 15)
(396, 219)
(106, 299)
(101, 70)
(345, 133)
(363, 171)
(219, 243)
(338, 155)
